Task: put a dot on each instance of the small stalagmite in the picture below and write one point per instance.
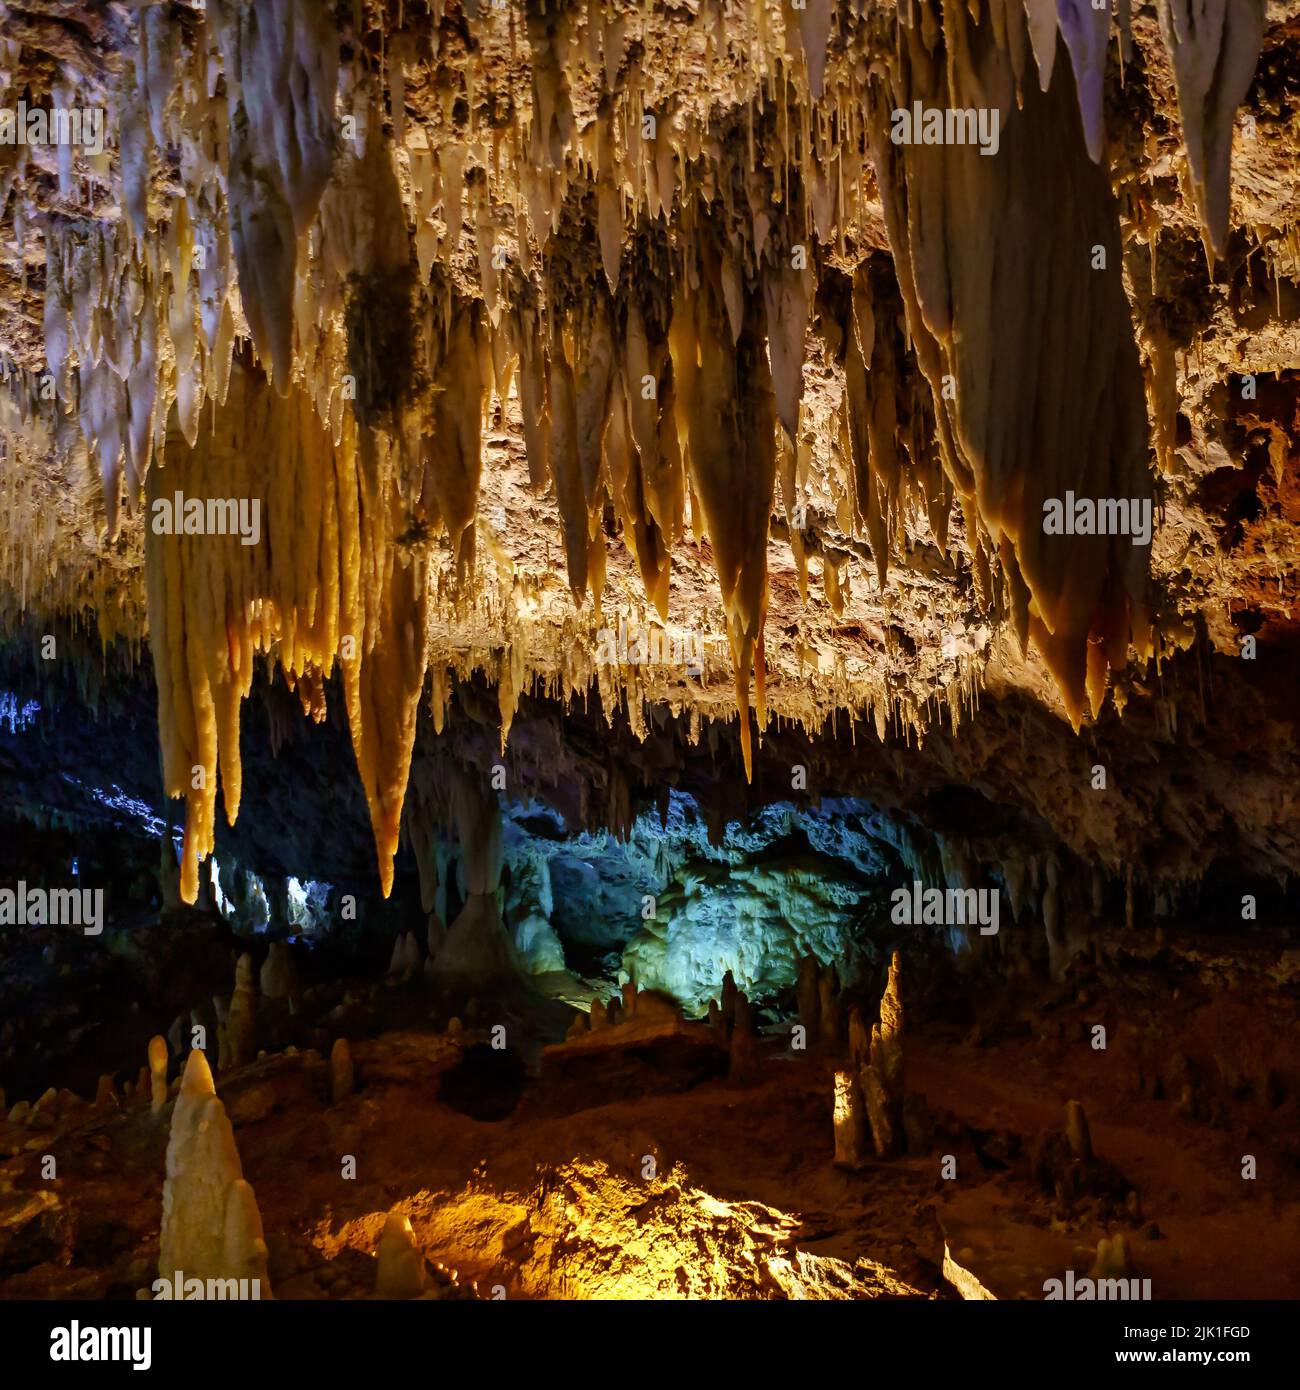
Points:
(105, 1096)
(211, 1227)
(850, 1122)
(1113, 1259)
(880, 1113)
(401, 1271)
(728, 1003)
(342, 1074)
(279, 975)
(1077, 1132)
(599, 1015)
(157, 1074)
(859, 1039)
(829, 1008)
(887, 1036)
(241, 1028)
(808, 996)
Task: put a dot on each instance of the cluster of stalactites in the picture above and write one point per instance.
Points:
(982, 268)
(248, 103)
(664, 379)
(334, 584)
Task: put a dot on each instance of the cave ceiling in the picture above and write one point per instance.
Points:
(618, 357)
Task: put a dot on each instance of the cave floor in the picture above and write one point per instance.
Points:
(647, 1173)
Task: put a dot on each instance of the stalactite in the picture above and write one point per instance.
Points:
(328, 567)
(727, 416)
(1214, 47)
(1087, 593)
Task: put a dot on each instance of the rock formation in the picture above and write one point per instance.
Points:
(157, 1074)
(400, 1272)
(211, 1228)
(342, 1077)
(850, 1122)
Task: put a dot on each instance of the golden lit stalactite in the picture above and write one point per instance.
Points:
(383, 685)
(549, 26)
(327, 577)
(452, 448)
(1017, 311)
(281, 64)
(727, 417)
(566, 462)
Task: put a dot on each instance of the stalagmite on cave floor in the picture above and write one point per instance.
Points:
(650, 650)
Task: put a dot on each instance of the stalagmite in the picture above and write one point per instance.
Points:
(1076, 1130)
(157, 1074)
(400, 1272)
(1113, 1258)
(342, 1076)
(880, 1112)
(829, 1008)
(808, 994)
(211, 1228)
(279, 975)
(406, 959)
(476, 946)
(727, 1003)
(241, 1025)
(850, 1122)
(887, 1035)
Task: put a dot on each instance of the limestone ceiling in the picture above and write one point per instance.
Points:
(594, 326)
